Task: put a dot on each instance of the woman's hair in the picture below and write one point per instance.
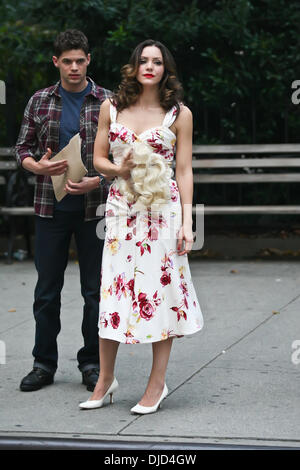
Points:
(70, 39)
(170, 89)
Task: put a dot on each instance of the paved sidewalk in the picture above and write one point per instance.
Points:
(233, 383)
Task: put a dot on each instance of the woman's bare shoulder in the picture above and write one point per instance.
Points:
(185, 112)
(104, 114)
(105, 105)
(184, 119)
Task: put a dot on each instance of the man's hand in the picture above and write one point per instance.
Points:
(86, 185)
(47, 168)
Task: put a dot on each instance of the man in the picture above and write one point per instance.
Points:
(54, 115)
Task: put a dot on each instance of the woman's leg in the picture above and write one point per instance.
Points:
(107, 351)
(161, 353)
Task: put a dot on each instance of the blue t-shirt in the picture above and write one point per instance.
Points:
(70, 126)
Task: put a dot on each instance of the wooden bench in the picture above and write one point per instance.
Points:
(239, 164)
(247, 164)
(14, 179)
(6, 165)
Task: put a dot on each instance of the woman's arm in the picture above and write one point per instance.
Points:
(101, 149)
(184, 177)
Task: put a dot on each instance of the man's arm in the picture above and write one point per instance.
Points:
(27, 145)
(44, 166)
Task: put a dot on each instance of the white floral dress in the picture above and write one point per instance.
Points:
(147, 293)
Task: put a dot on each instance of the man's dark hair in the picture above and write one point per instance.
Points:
(70, 39)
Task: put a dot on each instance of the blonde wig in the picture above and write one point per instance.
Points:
(149, 184)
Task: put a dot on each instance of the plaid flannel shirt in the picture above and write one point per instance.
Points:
(40, 130)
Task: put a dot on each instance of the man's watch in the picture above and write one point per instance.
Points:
(102, 181)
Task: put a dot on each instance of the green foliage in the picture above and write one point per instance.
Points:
(236, 58)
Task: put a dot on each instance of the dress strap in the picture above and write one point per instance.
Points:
(170, 117)
(113, 113)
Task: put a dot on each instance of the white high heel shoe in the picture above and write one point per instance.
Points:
(143, 410)
(91, 404)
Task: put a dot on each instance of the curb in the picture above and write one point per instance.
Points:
(28, 443)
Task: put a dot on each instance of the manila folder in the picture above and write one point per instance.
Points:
(75, 171)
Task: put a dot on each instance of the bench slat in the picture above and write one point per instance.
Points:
(246, 162)
(17, 210)
(251, 148)
(213, 149)
(219, 210)
(7, 151)
(252, 178)
(9, 165)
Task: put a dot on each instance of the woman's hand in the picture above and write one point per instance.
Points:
(126, 166)
(185, 239)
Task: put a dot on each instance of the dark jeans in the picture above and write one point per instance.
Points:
(52, 241)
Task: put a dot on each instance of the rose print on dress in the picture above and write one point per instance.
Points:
(167, 263)
(165, 334)
(146, 307)
(102, 320)
(120, 286)
(144, 246)
(113, 135)
(109, 213)
(165, 279)
(129, 335)
(114, 193)
(105, 293)
(181, 313)
(174, 192)
(157, 142)
(131, 221)
(113, 245)
(114, 320)
(152, 224)
(183, 287)
(130, 287)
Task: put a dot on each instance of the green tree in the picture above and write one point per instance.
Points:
(236, 58)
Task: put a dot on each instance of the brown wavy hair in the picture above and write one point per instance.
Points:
(170, 89)
(70, 39)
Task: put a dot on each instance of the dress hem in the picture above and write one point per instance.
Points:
(150, 340)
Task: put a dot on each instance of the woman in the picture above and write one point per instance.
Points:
(147, 293)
